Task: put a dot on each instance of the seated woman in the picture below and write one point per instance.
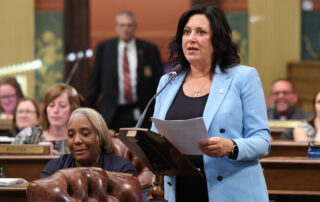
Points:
(59, 102)
(10, 93)
(90, 145)
(26, 115)
(310, 130)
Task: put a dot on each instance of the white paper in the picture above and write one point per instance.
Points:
(184, 134)
(11, 181)
(6, 139)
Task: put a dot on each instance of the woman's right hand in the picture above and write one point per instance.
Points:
(216, 146)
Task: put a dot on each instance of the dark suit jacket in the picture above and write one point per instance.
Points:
(296, 114)
(104, 78)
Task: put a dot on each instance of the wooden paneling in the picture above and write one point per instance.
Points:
(274, 37)
(77, 39)
(17, 27)
(24, 166)
(306, 78)
(292, 178)
(49, 5)
(205, 2)
(288, 148)
(13, 193)
(234, 5)
(157, 20)
(17, 32)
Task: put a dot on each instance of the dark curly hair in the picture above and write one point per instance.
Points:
(225, 51)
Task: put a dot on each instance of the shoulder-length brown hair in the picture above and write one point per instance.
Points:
(54, 92)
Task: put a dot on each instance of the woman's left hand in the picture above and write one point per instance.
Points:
(216, 146)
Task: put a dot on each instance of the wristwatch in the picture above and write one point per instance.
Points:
(235, 151)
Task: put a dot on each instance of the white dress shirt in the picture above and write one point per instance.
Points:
(133, 63)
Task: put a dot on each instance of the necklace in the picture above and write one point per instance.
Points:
(196, 93)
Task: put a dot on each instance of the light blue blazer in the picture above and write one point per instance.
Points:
(235, 110)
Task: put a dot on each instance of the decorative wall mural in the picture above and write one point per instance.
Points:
(49, 49)
(239, 25)
(310, 35)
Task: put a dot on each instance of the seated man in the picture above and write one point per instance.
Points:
(284, 99)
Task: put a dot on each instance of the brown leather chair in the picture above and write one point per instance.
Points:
(146, 177)
(85, 184)
(144, 174)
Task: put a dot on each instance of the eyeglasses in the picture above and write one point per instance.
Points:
(8, 96)
(122, 25)
(285, 93)
(28, 112)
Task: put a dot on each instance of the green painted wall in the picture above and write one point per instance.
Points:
(310, 35)
(239, 25)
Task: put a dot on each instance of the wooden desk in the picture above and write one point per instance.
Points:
(276, 133)
(305, 77)
(288, 148)
(290, 178)
(277, 127)
(23, 166)
(13, 193)
(5, 125)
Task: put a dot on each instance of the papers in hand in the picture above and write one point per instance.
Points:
(183, 134)
(11, 181)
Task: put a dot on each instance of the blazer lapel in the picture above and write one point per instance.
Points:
(172, 90)
(219, 88)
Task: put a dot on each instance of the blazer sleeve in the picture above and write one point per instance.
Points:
(95, 79)
(255, 142)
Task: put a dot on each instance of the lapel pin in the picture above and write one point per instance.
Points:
(221, 91)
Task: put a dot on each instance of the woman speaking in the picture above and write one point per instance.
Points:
(212, 84)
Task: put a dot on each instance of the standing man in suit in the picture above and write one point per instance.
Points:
(125, 75)
(284, 99)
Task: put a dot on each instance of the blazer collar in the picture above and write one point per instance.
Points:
(219, 88)
(172, 90)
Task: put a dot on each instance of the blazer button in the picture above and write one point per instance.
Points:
(222, 130)
(219, 178)
(169, 183)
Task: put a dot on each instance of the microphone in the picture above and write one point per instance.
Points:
(77, 57)
(172, 75)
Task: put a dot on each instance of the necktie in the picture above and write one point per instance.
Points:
(126, 77)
